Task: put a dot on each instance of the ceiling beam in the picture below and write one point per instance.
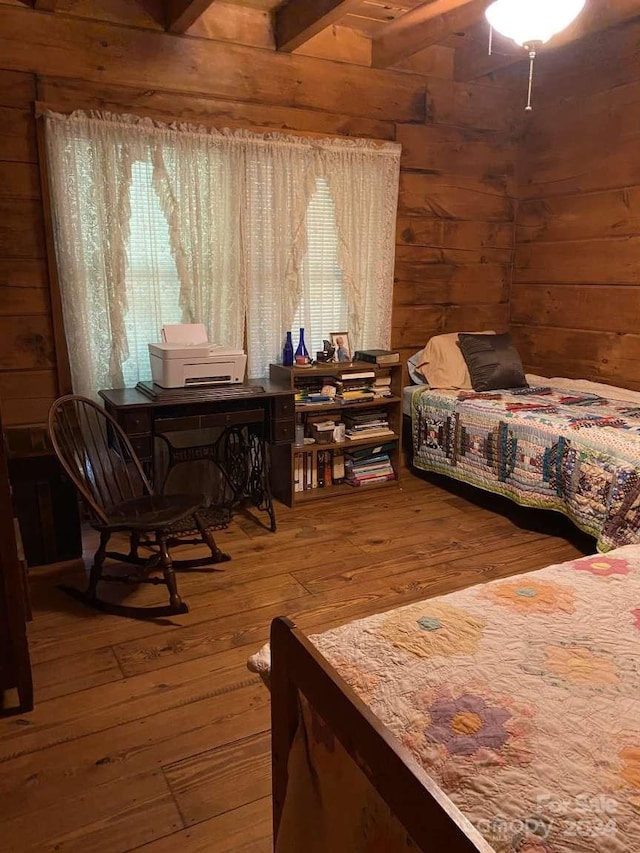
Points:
(300, 20)
(45, 5)
(182, 14)
(472, 62)
(424, 26)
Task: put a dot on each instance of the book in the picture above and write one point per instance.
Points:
(353, 428)
(375, 433)
(328, 465)
(382, 479)
(297, 481)
(352, 397)
(365, 460)
(366, 473)
(366, 452)
(377, 356)
(366, 417)
(357, 465)
(338, 466)
(363, 374)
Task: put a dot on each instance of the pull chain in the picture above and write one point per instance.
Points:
(532, 59)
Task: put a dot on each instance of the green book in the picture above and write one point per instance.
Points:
(365, 452)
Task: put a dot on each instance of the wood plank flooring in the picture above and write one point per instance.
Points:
(154, 737)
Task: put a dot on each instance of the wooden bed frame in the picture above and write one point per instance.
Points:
(433, 822)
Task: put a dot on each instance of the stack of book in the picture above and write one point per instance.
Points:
(363, 425)
(355, 387)
(313, 390)
(363, 467)
(381, 386)
(377, 356)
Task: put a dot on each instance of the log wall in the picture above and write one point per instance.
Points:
(456, 217)
(575, 308)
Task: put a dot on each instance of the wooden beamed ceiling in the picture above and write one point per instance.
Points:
(423, 27)
(182, 14)
(300, 20)
(392, 30)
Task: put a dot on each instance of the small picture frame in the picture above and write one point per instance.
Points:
(341, 342)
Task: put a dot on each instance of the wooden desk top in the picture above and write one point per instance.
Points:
(131, 398)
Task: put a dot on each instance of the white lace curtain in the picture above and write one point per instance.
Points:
(156, 223)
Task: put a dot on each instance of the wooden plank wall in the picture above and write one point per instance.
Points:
(575, 307)
(455, 233)
(456, 218)
(27, 365)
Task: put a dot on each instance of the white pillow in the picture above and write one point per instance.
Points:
(442, 363)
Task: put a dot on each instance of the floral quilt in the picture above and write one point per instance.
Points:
(520, 697)
(555, 446)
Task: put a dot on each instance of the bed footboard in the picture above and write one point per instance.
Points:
(299, 673)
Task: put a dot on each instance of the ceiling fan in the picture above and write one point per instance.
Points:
(531, 23)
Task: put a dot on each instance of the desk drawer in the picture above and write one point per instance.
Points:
(282, 432)
(143, 446)
(237, 418)
(215, 419)
(283, 407)
(135, 422)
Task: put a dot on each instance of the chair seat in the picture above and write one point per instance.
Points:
(152, 512)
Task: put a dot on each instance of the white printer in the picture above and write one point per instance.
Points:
(185, 358)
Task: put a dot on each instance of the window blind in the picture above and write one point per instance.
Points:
(153, 286)
(323, 306)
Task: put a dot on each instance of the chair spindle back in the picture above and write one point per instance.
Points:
(96, 454)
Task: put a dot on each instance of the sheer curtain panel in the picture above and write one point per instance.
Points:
(182, 263)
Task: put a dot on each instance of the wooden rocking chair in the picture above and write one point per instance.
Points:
(100, 461)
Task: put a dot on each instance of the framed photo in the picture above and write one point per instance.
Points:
(341, 342)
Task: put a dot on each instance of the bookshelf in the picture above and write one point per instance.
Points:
(301, 474)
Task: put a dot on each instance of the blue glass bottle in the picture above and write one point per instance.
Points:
(302, 353)
(287, 352)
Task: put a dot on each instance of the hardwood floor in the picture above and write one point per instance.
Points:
(154, 737)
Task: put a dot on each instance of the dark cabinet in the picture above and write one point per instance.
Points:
(15, 665)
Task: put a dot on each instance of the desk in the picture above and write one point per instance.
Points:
(235, 434)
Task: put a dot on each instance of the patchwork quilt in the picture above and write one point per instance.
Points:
(550, 445)
(520, 697)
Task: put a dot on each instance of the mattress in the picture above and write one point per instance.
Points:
(568, 445)
(520, 697)
(407, 396)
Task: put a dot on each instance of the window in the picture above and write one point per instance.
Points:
(249, 234)
(153, 289)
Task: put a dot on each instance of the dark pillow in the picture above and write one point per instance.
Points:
(493, 362)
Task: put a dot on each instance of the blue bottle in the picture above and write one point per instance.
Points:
(302, 353)
(287, 352)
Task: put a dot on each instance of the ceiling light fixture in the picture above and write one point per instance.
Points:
(531, 23)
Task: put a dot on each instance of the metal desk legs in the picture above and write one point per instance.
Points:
(241, 456)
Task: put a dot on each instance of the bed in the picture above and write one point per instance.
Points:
(504, 717)
(566, 445)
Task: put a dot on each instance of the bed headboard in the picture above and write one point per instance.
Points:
(300, 675)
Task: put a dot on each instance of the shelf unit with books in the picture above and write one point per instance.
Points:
(369, 460)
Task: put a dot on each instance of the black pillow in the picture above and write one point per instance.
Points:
(493, 362)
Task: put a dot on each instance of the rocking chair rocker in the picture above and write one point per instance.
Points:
(102, 464)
